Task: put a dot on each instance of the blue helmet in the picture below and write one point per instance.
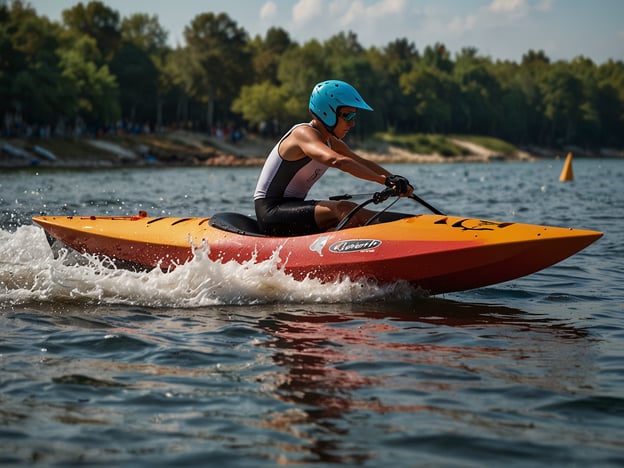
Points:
(328, 96)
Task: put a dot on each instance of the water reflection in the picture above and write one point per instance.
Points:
(341, 362)
(323, 383)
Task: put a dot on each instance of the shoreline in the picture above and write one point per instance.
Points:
(189, 149)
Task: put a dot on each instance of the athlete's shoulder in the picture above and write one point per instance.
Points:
(310, 133)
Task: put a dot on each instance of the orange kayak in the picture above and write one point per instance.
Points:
(436, 252)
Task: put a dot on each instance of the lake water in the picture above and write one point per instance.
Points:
(230, 365)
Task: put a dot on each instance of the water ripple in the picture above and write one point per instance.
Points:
(233, 367)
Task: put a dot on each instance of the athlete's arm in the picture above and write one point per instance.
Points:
(307, 141)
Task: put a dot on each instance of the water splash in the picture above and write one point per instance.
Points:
(29, 272)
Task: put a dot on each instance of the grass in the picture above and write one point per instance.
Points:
(494, 144)
(422, 143)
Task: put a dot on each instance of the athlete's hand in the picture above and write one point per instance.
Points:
(399, 184)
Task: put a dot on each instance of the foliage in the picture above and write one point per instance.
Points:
(422, 143)
(261, 102)
(98, 67)
(97, 21)
(218, 60)
(94, 85)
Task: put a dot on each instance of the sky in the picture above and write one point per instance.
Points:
(500, 29)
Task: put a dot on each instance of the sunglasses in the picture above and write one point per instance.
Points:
(348, 116)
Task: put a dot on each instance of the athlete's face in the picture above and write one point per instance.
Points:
(346, 120)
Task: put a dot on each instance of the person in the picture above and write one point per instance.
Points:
(304, 154)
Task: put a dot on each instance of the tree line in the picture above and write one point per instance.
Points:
(95, 69)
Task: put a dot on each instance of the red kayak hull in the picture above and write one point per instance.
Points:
(434, 252)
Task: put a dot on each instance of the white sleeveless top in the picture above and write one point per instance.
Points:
(287, 179)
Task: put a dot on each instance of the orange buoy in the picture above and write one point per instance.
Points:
(567, 174)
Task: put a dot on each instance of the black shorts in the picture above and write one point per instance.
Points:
(286, 216)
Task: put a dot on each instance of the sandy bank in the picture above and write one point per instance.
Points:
(182, 148)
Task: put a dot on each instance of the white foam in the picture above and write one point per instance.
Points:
(29, 272)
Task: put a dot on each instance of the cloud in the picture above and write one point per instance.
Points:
(391, 7)
(516, 7)
(496, 15)
(459, 25)
(519, 8)
(305, 11)
(268, 11)
(346, 13)
(320, 19)
(358, 13)
(378, 22)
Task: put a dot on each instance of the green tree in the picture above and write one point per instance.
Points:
(300, 68)
(145, 32)
(95, 86)
(513, 115)
(610, 102)
(92, 65)
(176, 69)
(347, 61)
(562, 95)
(431, 90)
(219, 61)
(533, 68)
(7, 54)
(392, 109)
(341, 47)
(588, 127)
(437, 56)
(137, 77)
(30, 80)
(139, 65)
(260, 103)
(97, 21)
(266, 54)
(479, 93)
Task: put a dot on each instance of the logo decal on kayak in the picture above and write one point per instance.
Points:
(354, 245)
(469, 224)
(318, 244)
